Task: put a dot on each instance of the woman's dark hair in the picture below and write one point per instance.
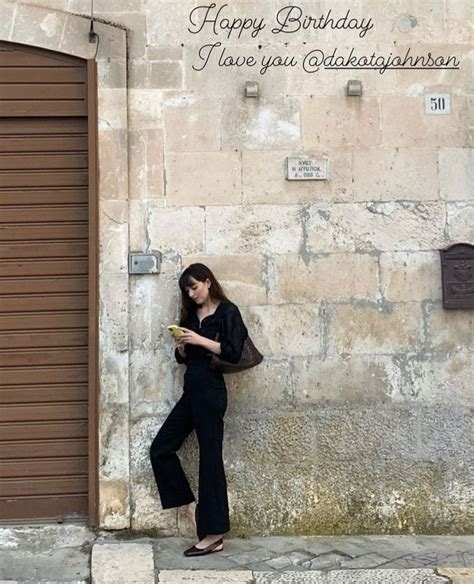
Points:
(198, 272)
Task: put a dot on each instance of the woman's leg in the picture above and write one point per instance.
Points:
(213, 507)
(173, 486)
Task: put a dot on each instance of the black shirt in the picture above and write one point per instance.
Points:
(228, 322)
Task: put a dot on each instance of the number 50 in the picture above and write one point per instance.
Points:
(437, 103)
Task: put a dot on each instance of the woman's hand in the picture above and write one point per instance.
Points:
(180, 347)
(189, 337)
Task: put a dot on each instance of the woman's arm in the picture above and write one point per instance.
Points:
(193, 338)
(180, 351)
(233, 337)
(180, 355)
(213, 346)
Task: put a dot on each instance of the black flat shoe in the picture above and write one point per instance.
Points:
(194, 551)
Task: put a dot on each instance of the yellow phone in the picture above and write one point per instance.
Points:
(175, 330)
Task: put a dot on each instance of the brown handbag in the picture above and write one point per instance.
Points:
(250, 357)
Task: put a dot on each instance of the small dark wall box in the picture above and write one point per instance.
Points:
(457, 275)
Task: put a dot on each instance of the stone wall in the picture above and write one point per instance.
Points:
(358, 420)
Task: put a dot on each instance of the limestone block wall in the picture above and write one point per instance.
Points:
(359, 418)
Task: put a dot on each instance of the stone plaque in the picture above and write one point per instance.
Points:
(299, 168)
(144, 263)
(457, 273)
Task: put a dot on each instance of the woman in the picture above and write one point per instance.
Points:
(205, 311)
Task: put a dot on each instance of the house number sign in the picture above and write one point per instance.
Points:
(437, 103)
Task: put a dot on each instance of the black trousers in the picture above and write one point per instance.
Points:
(202, 409)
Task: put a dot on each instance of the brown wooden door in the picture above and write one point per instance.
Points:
(44, 288)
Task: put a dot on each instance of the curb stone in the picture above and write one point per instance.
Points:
(389, 576)
(205, 577)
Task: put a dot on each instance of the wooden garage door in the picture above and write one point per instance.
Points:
(44, 285)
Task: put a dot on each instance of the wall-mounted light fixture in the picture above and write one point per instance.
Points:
(251, 89)
(93, 36)
(354, 88)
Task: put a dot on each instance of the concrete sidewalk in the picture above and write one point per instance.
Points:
(76, 554)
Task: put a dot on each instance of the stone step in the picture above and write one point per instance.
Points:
(133, 563)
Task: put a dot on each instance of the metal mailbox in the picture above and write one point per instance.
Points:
(457, 274)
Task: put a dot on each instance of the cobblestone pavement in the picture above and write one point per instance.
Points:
(273, 554)
(57, 553)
